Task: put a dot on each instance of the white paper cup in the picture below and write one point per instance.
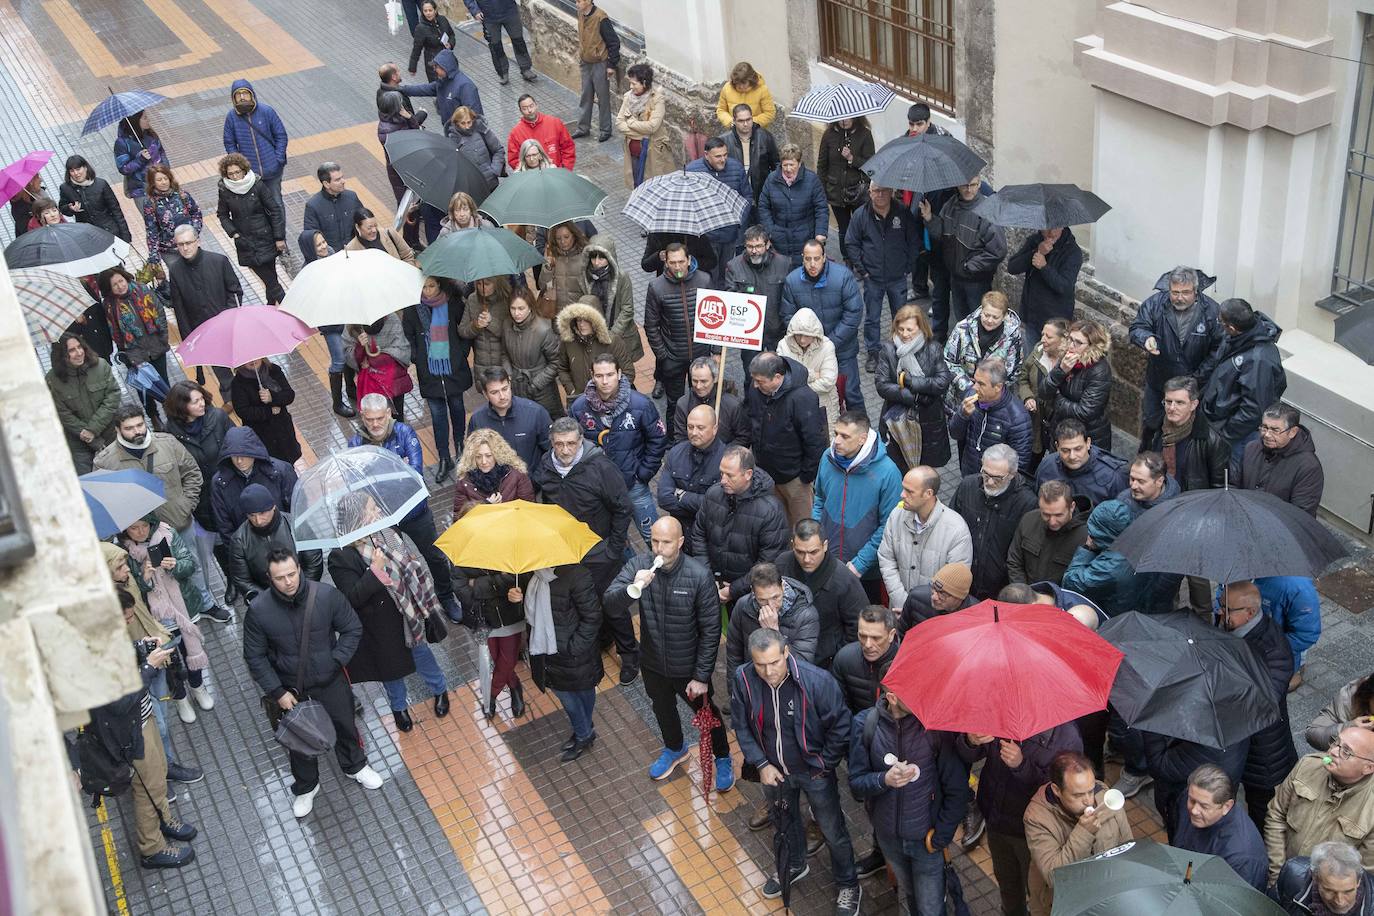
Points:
(1113, 799)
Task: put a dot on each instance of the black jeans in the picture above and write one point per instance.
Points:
(267, 273)
(491, 30)
(337, 699)
(965, 296)
(663, 693)
(420, 529)
(616, 614)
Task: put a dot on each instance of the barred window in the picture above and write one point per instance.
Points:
(1352, 283)
(907, 45)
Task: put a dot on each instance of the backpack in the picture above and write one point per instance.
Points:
(107, 747)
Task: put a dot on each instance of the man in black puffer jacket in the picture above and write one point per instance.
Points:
(788, 429)
(860, 665)
(1271, 755)
(992, 504)
(669, 307)
(740, 522)
(773, 603)
(1249, 374)
(679, 620)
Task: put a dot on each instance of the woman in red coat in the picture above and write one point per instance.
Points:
(489, 472)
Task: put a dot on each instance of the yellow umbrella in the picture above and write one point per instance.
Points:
(516, 537)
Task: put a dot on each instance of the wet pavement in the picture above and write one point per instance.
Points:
(474, 816)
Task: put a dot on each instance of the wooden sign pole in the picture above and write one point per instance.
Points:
(720, 380)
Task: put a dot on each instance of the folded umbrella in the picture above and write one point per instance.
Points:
(74, 249)
(470, 256)
(351, 494)
(432, 167)
(787, 860)
(544, 197)
(1229, 535)
(837, 101)
(1039, 667)
(352, 287)
(15, 177)
(118, 106)
(240, 335)
(703, 720)
(516, 537)
(50, 301)
(117, 499)
(691, 203)
(1145, 877)
(926, 162)
(1041, 206)
(1184, 679)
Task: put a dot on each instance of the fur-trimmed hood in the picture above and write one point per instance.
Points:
(582, 309)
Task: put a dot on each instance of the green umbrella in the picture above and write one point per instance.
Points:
(543, 197)
(1146, 877)
(473, 254)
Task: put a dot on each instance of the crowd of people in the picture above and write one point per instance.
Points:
(797, 523)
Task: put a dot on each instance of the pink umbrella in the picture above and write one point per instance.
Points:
(239, 335)
(15, 176)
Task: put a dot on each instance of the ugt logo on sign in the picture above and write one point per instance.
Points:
(711, 311)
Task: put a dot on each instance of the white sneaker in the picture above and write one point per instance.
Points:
(204, 699)
(185, 710)
(368, 778)
(304, 804)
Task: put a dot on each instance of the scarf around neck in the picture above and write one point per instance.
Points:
(1175, 433)
(906, 355)
(488, 482)
(437, 344)
(411, 585)
(241, 185)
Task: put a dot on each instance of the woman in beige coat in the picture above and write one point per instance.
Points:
(805, 341)
(368, 234)
(649, 149)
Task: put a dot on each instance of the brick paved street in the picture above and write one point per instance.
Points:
(474, 816)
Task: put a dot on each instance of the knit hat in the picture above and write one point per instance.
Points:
(256, 498)
(955, 579)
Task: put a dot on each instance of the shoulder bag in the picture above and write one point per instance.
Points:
(306, 728)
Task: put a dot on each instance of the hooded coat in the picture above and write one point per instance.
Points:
(1048, 291)
(822, 367)
(1004, 421)
(205, 443)
(793, 213)
(1081, 394)
(851, 500)
(450, 92)
(1195, 355)
(628, 428)
(732, 533)
(797, 621)
(1293, 473)
(254, 220)
(259, 135)
(227, 485)
(788, 428)
(166, 460)
(963, 354)
(614, 291)
(577, 616)
(1107, 578)
(531, 352)
(99, 206)
(904, 394)
(839, 598)
(1037, 554)
(575, 354)
(1248, 378)
(992, 522)
(835, 298)
(1100, 478)
(276, 429)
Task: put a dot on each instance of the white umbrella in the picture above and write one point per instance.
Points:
(352, 287)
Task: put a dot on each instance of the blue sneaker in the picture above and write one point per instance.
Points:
(725, 774)
(667, 762)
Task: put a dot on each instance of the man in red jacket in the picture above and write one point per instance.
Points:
(551, 133)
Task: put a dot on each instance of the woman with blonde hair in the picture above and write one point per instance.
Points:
(745, 86)
(489, 471)
(474, 139)
(1081, 385)
(805, 341)
(462, 214)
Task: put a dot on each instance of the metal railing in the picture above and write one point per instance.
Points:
(907, 45)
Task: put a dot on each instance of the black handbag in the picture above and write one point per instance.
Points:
(305, 728)
(435, 628)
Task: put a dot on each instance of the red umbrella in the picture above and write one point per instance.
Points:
(1010, 670)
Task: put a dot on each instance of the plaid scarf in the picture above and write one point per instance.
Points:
(411, 586)
(135, 314)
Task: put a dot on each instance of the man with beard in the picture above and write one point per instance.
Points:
(835, 591)
(1179, 328)
(1046, 537)
(760, 270)
(992, 503)
(732, 420)
(971, 246)
(267, 528)
(255, 131)
(1094, 474)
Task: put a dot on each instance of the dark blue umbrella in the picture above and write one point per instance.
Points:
(118, 106)
(117, 499)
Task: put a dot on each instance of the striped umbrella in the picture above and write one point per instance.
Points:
(837, 101)
(118, 106)
(117, 499)
(49, 300)
(692, 203)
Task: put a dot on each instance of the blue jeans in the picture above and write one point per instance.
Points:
(823, 793)
(1238, 449)
(853, 382)
(646, 511)
(874, 292)
(579, 704)
(440, 411)
(333, 339)
(427, 667)
(157, 690)
(920, 874)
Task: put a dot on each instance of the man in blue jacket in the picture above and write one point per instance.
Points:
(1094, 474)
(881, 240)
(716, 162)
(451, 89)
(494, 16)
(1209, 822)
(256, 131)
(992, 414)
(626, 425)
(1248, 378)
(830, 290)
(792, 724)
(857, 487)
(523, 423)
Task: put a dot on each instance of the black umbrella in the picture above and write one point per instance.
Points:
(1147, 877)
(923, 163)
(954, 890)
(433, 168)
(1229, 535)
(1355, 332)
(73, 249)
(1184, 679)
(784, 816)
(1041, 206)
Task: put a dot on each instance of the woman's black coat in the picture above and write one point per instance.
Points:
(254, 221)
(576, 625)
(276, 430)
(99, 206)
(1083, 395)
(925, 395)
(382, 654)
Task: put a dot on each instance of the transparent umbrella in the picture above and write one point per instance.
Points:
(352, 494)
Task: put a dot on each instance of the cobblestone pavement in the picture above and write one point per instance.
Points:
(474, 816)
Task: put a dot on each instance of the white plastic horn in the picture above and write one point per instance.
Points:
(634, 589)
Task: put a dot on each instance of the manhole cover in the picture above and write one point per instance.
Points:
(1351, 588)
